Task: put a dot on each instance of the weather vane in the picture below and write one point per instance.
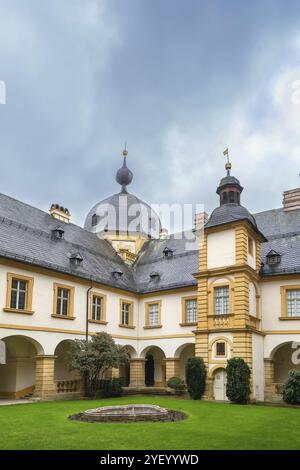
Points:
(228, 164)
(125, 152)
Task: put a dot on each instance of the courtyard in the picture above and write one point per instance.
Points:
(209, 425)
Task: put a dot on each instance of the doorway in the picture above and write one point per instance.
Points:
(220, 381)
(149, 370)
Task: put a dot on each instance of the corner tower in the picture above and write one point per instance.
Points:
(229, 323)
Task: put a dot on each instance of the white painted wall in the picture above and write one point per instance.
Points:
(271, 306)
(221, 249)
(252, 258)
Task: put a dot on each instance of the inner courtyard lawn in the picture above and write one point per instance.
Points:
(208, 426)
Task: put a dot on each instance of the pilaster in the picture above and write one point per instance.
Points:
(44, 378)
(137, 372)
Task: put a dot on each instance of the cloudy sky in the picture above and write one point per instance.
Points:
(180, 80)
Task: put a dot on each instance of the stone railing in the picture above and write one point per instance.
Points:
(68, 386)
(220, 321)
(254, 322)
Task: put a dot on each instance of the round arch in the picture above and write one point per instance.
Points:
(124, 369)
(182, 354)
(18, 374)
(61, 364)
(10, 339)
(285, 358)
(155, 366)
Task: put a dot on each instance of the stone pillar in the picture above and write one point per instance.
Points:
(137, 372)
(112, 373)
(44, 377)
(172, 367)
(269, 371)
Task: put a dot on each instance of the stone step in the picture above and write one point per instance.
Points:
(148, 391)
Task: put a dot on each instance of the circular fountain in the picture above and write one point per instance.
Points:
(128, 413)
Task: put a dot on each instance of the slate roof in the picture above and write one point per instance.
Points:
(26, 235)
(282, 229)
(173, 272)
(229, 213)
(130, 204)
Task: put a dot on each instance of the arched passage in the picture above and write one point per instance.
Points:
(183, 353)
(17, 375)
(155, 366)
(61, 364)
(285, 358)
(124, 369)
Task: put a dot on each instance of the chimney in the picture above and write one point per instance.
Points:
(163, 234)
(291, 199)
(200, 220)
(60, 213)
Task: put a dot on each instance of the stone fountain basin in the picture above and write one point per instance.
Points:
(128, 413)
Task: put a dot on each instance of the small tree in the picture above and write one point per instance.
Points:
(291, 390)
(238, 380)
(94, 357)
(195, 373)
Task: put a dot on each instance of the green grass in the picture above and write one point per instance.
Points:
(208, 426)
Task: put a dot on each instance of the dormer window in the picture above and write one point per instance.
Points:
(76, 259)
(95, 220)
(117, 274)
(168, 253)
(58, 232)
(154, 276)
(273, 258)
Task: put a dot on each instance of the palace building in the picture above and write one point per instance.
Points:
(236, 294)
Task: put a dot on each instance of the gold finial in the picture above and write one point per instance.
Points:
(227, 164)
(125, 153)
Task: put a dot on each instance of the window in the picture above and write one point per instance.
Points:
(220, 349)
(191, 311)
(63, 303)
(97, 308)
(293, 302)
(19, 293)
(250, 246)
(19, 289)
(153, 314)
(126, 313)
(221, 300)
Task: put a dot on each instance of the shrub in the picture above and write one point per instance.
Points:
(238, 380)
(291, 390)
(195, 377)
(110, 388)
(173, 382)
(176, 384)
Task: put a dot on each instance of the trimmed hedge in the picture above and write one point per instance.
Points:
(176, 384)
(291, 390)
(195, 372)
(238, 380)
(110, 388)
